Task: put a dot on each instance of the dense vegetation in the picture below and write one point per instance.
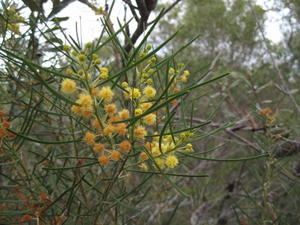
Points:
(182, 113)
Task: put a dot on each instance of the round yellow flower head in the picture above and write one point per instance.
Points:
(68, 86)
(145, 106)
(136, 93)
(110, 109)
(160, 163)
(124, 114)
(132, 93)
(189, 147)
(106, 94)
(149, 91)
(183, 79)
(171, 161)
(124, 84)
(115, 155)
(125, 146)
(97, 61)
(99, 148)
(138, 111)
(149, 119)
(186, 73)
(140, 132)
(104, 72)
(109, 130)
(76, 109)
(155, 151)
(89, 138)
(121, 128)
(103, 160)
(85, 100)
(171, 70)
(127, 93)
(143, 156)
(149, 81)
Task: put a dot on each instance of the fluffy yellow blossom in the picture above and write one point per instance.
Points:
(104, 72)
(130, 93)
(145, 106)
(183, 79)
(103, 160)
(136, 93)
(140, 132)
(127, 93)
(97, 61)
(99, 148)
(138, 112)
(85, 101)
(89, 138)
(121, 128)
(124, 84)
(149, 119)
(113, 119)
(149, 81)
(149, 91)
(148, 146)
(160, 163)
(115, 155)
(124, 114)
(76, 109)
(155, 151)
(82, 111)
(110, 109)
(189, 147)
(109, 130)
(68, 86)
(96, 124)
(186, 73)
(143, 156)
(125, 146)
(171, 70)
(168, 138)
(171, 161)
(106, 94)
(86, 112)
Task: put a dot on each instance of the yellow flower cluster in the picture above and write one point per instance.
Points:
(115, 118)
